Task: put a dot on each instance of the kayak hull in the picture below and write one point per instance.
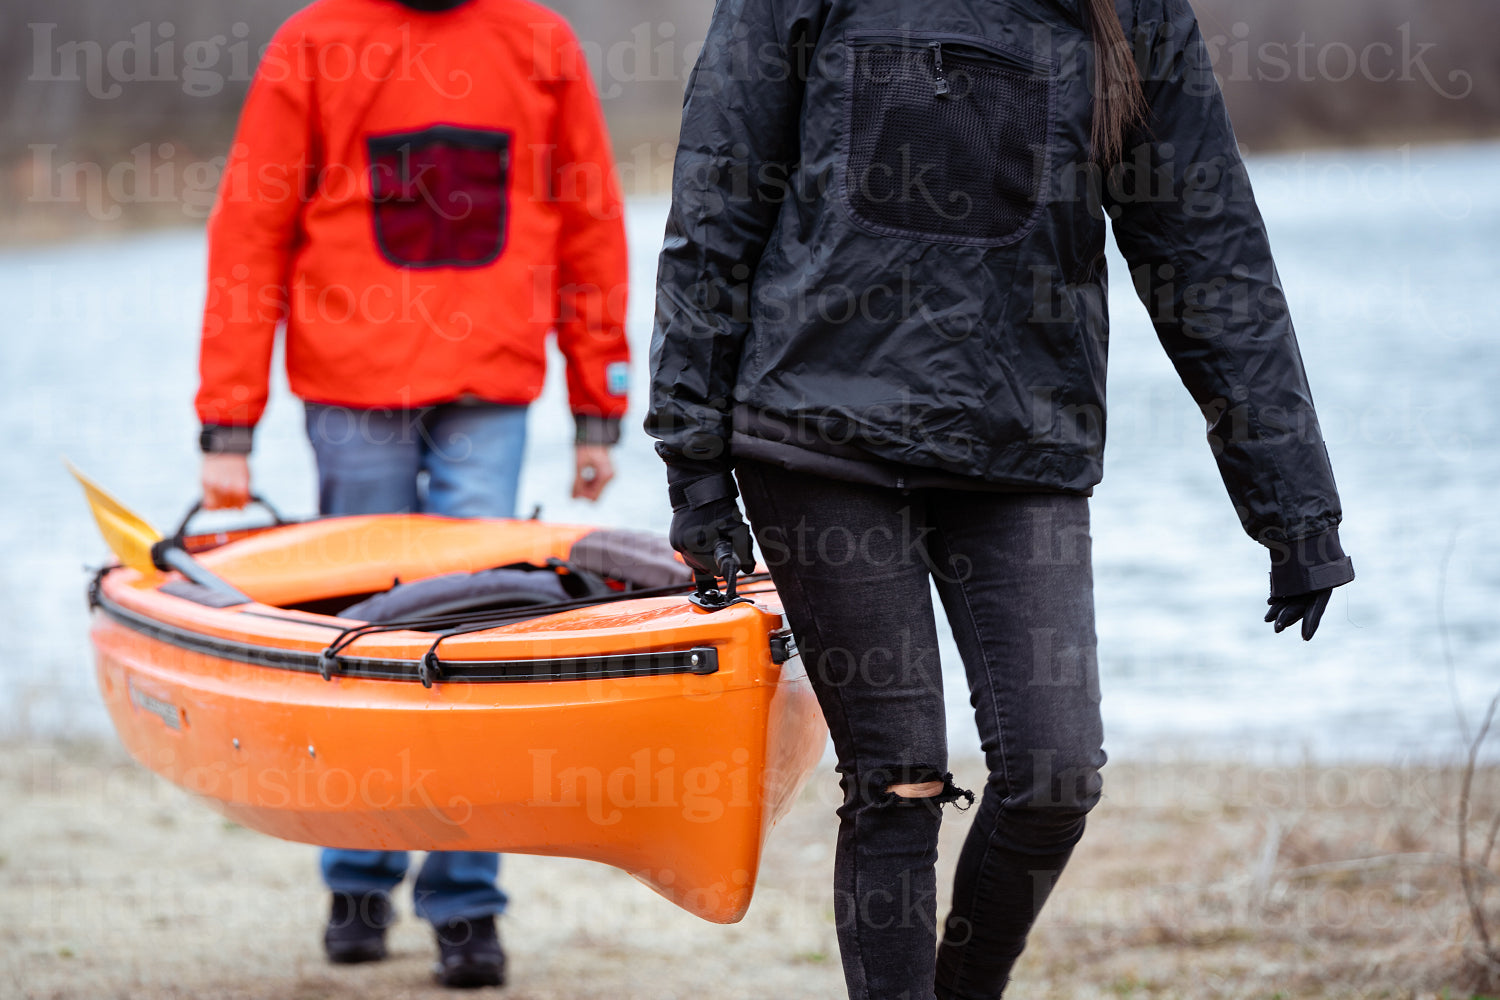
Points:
(644, 758)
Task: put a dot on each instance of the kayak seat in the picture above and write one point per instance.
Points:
(636, 559)
(451, 593)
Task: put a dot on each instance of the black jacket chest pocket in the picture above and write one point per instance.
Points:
(440, 196)
(947, 137)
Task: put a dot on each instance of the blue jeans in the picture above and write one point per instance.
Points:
(457, 460)
(854, 566)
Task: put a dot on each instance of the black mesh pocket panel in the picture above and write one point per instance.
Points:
(439, 196)
(947, 139)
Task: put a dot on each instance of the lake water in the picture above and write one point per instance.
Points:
(1389, 259)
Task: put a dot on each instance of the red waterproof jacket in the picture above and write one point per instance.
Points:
(421, 196)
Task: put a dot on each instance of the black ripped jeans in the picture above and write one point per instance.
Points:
(852, 564)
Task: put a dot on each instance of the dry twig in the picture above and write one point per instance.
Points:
(1473, 893)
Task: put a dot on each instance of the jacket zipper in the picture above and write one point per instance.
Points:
(941, 87)
(935, 42)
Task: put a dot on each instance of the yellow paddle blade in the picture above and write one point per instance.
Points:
(127, 535)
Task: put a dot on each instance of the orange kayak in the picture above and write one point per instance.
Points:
(634, 729)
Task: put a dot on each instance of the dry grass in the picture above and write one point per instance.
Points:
(1194, 881)
(1222, 881)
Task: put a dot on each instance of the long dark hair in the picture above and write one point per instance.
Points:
(1119, 101)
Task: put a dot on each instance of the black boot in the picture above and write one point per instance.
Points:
(356, 927)
(469, 953)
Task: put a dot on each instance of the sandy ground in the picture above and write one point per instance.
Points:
(1194, 881)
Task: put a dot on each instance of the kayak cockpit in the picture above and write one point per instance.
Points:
(383, 565)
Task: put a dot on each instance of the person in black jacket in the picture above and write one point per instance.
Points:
(882, 306)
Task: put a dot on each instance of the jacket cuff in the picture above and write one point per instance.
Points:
(1308, 564)
(223, 439)
(596, 430)
(690, 488)
(676, 460)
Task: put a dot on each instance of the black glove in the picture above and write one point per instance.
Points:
(1307, 608)
(706, 521)
(1303, 575)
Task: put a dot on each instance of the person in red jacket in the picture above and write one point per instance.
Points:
(419, 192)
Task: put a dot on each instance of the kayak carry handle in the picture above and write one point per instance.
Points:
(171, 552)
(255, 498)
(707, 594)
(729, 565)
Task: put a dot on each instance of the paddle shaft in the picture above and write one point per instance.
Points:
(169, 556)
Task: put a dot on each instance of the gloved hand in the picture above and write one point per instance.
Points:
(1308, 608)
(706, 518)
(1303, 575)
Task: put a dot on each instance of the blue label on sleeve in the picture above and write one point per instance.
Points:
(617, 378)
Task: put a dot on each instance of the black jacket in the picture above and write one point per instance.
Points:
(885, 259)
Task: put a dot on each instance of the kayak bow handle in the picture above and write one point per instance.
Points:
(707, 594)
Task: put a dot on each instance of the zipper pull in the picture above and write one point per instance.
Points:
(941, 88)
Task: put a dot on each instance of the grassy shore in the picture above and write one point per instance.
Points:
(1195, 880)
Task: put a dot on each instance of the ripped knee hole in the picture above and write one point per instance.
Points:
(921, 790)
(936, 789)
